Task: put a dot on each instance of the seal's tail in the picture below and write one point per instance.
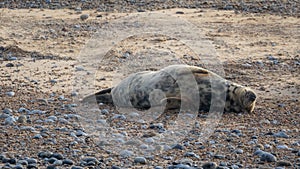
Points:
(104, 96)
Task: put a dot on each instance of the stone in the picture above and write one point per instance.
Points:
(140, 160)
(268, 157)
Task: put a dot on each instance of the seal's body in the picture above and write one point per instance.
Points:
(178, 87)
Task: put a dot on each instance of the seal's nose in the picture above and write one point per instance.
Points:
(251, 96)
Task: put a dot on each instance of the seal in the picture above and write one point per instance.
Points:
(178, 87)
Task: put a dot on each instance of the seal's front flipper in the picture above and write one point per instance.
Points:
(103, 96)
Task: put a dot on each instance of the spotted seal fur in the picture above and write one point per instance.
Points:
(175, 85)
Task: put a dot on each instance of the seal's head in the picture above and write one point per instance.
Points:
(240, 99)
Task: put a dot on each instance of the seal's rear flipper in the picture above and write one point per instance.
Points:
(103, 96)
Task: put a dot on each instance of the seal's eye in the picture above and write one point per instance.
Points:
(250, 95)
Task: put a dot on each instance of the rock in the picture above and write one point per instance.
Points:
(115, 167)
(191, 154)
(67, 162)
(7, 111)
(179, 12)
(23, 162)
(239, 151)
(281, 134)
(219, 156)
(51, 160)
(90, 160)
(181, 166)
(283, 163)
(76, 167)
(10, 94)
(45, 154)
(57, 156)
(58, 163)
(258, 152)
(12, 161)
(22, 119)
(84, 16)
(209, 165)
(158, 167)
(12, 58)
(31, 161)
(268, 157)
(178, 147)
(126, 153)
(9, 120)
(282, 147)
(140, 160)
(37, 136)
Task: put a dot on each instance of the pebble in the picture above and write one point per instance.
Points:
(7, 111)
(178, 147)
(4, 116)
(31, 161)
(158, 167)
(140, 160)
(115, 167)
(126, 153)
(191, 154)
(23, 162)
(37, 136)
(10, 94)
(219, 156)
(12, 58)
(45, 154)
(67, 162)
(9, 120)
(22, 119)
(283, 163)
(179, 166)
(90, 160)
(268, 157)
(58, 163)
(209, 165)
(84, 16)
(281, 134)
(76, 167)
(239, 151)
(282, 147)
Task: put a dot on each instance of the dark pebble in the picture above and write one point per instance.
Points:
(76, 167)
(218, 156)
(209, 165)
(51, 167)
(12, 161)
(68, 162)
(58, 156)
(191, 154)
(115, 167)
(31, 166)
(179, 12)
(23, 162)
(52, 160)
(31, 161)
(45, 154)
(181, 166)
(140, 160)
(178, 147)
(18, 167)
(90, 160)
(268, 157)
(284, 163)
(9, 65)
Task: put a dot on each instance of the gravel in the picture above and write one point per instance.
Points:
(289, 7)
